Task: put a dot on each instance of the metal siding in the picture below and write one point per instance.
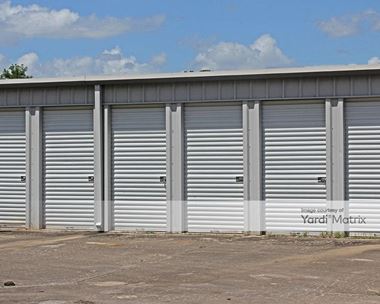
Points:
(294, 156)
(213, 90)
(68, 163)
(12, 167)
(139, 159)
(340, 82)
(214, 157)
(362, 130)
(46, 96)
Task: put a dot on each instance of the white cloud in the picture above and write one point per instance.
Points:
(350, 25)
(29, 60)
(264, 52)
(374, 60)
(337, 27)
(17, 21)
(111, 61)
(114, 62)
(159, 59)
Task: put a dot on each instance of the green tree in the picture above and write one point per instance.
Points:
(15, 71)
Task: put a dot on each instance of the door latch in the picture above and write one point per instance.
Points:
(91, 179)
(23, 178)
(322, 180)
(239, 179)
(163, 179)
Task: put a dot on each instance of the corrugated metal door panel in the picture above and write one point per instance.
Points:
(214, 158)
(12, 167)
(363, 163)
(68, 164)
(139, 160)
(294, 156)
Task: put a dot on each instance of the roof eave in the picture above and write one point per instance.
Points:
(186, 76)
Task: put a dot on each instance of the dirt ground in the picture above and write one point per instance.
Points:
(87, 268)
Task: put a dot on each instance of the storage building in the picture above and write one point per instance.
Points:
(199, 151)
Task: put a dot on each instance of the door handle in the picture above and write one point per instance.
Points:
(322, 180)
(239, 179)
(91, 179)
(23, 178)
(163, 180)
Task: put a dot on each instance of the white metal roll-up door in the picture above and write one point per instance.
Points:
(294, 157)
(139, 162)
(363, 163)
(12, 168)
(69, 168)
(214, 159)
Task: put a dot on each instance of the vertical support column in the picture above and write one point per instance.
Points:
(28, 145)
(98, 159)
(34, 169)
(335, 162)
(175, 168)
(108, 203)
(253, 208)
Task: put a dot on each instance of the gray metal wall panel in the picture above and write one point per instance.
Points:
(259, 89)
(40, 96)
(275, 88)
(246, 88)
(291, 87)
(360, 85)
(363, 163)
(243, 89)
(68, 163)
(229, 90)
(343, 86)
(139, 159)
(214, 157)
(165, 92)
(180, 92)
(374, 82)
(151, 93)
(12, 167)
(196, 91)
(211, 91)
(308, 88)
(294, 156)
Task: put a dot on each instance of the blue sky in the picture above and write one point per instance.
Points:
(75, 37)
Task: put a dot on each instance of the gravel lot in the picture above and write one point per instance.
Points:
(86, 268)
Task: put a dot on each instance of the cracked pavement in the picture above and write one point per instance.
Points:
(81, 267)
